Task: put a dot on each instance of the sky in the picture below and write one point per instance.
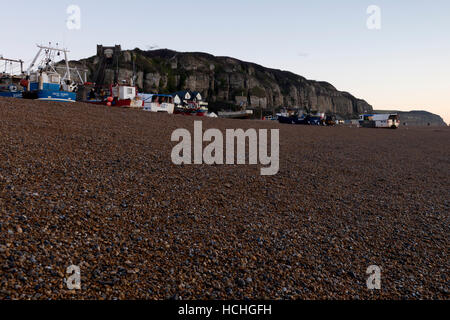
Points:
(403, 65)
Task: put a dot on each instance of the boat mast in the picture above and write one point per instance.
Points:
(67, 65)
(34, 61)
(50, 50)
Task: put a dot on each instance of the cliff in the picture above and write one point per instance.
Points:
(227, 82)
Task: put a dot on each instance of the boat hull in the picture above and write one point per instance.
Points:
(11, 94)
(161, 108)
(126, 103)
(49, 95)
(202, 114)
(302, 121)
(183, 113)
(191, 112)
(286, 120)
(242, 115)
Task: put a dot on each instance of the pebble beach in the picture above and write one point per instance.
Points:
(95, 187)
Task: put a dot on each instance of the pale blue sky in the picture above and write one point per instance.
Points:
(405, 65)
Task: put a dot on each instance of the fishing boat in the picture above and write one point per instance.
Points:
(191, 109)
(157, 102)
(203, 109)
(112, 92)
(302, 119)
(10, 91)
(119, 95)
(43, 82)
(190, 103)
(10, 79)
(202, 112)
(245, 114)
(185, 110)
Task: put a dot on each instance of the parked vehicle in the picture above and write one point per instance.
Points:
(391, 121)
(271, 118)
(316, 119)
(330, 121)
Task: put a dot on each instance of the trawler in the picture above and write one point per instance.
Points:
(123, 95)
(112, 92)
(43, 82)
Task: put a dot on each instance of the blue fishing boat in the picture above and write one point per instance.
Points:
(308, 119)
(10, 79)
(43, 82)
(47, 91)
(292, 118)
(287, 119)
(10, 91)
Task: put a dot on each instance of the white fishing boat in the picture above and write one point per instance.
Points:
(158, 103)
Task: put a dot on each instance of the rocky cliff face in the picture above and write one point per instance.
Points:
(229, 82)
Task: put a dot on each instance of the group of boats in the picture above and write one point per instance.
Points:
(165, 103)
(42, 81)
(311, 118)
